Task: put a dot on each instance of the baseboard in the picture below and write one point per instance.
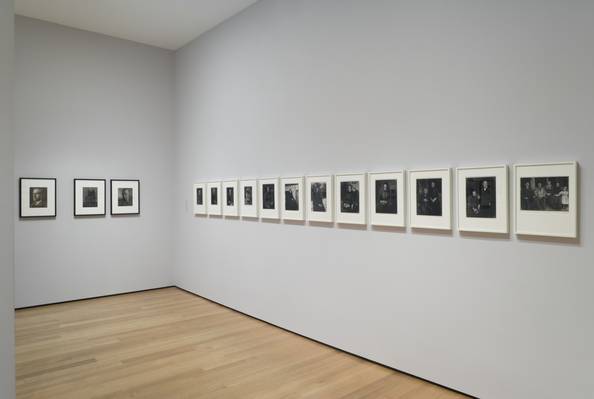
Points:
(94, 297)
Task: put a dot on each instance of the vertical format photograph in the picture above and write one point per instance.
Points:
(318, 191)
(199, 192)
(125, 197)
(349, 197)
(483, 199)
(213, 199)
(248, 204)
(292, 198)
(37, 198)
(387, 199)
(351, 204)
(430, 199)
(230, 203)
(268, 196)
(268, 192)
(89, 197)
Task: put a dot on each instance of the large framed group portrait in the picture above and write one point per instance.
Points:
(199, 195)
(546, 202)
(483, 199)
(292, 207)
(430, 199)
(268, 196)
(248, 198)
(319, 198)
(213, 199)
(125, 197)
(37, 197)
(89, 197)
(351, 205)
(386, 199)
(230, 200)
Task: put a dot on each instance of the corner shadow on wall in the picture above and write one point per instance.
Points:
(389, 229)
(328, 225)
(432, 232)
(479, 235)
(563, 241)
(349, 226)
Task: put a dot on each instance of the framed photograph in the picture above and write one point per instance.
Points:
(319, 192)
(230, 203)
(483, 199)
(386, 199)
(89, 197)
(546, 199)
(248, 198)
(125, 197)
(37, 198)
(292, 204)
(351, 206)
(430, 199)
(268, 196)
(213, 198)
(199, 199)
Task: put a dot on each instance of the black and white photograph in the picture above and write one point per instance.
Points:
(199, 196)
(386, 198)
(37, 197)
(319, 191)
(292, 197)
(268, 196)
(199, 199)
(549, 194)
(247, 195)
(481, 197)
(89, 197)
(230, 202)
(319, 198)
(214, 204)
(214, 196)
(429, 197)
(125, 197)
(248, 202)
(230, 196)
(349, 197)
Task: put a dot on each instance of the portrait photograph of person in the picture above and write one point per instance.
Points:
(125, 197)
(199, 196)
(37, 197)
(247, 195)
(349, 197)
(248, 198)
(214, 194)
(230, 196)
(549, 194)
(230, 203)
(319, 198)
(386, 198)
(268, 196)
(481, 197)
(429, 197)
(89, 197)
(429, 192)
(292, 197)
(199, 207)
(318, 195)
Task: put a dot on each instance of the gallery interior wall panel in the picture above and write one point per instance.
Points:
(92, 107)
(297, 88)
(7, 373)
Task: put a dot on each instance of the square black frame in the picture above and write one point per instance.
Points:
(104, 198)
(111, 197)
(21, 198)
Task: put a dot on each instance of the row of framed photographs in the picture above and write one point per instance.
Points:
(545, 199)
(38, 197)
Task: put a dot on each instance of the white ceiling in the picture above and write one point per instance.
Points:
(169, 24)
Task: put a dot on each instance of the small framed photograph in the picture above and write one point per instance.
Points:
(37, 198)
(483, 199)
(292, 198)
(268, 196)
(213, 198)
(320, 200)
(430, 199)
(89, 197)
(546, 199)
(230, 203)
(125, 197)
(351, 206)
(248, 198)
(386, 191)
(199, 199)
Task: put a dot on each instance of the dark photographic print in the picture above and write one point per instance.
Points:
(292, 197)
(90, 197)
(386, 200)
(349, 197)
(429, 197)
(214, 192)
(38, 197)
(247, 194)
(318, 197)
(268, 196)
(481, 197)
(545, 193)
(230, 199)
(199, 196)
(125, 196)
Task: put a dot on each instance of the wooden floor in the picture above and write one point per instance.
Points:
(167, 343)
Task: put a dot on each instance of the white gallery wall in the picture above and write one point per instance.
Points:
(90, 106)
(7, 383)
(290, 88)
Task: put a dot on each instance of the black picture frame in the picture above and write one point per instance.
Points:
(111, 197)
(55, 214)
(104, 198)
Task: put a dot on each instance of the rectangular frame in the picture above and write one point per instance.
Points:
(197, 208)
(125, 183)
(101, 209)
(51, 211)
(213, 209)
(326, 216)
(354, 217)
(269, 213)
(397, 219)
(248, 211)
(230, 210)
(443, 222)
(298, 214)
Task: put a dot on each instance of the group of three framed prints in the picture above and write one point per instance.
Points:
(545, 199)
(38, 197)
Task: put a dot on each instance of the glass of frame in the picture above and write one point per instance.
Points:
(248, 198)
(386, 199)
(89, 197)
(292, 198)
(268, 195)
(213, 198)
(37, 197)
(199, 199)
(546, 199)
(125, 197)
(483, 199)
(350, 201)
(230, 203)
(430, 199)
(319, 198)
